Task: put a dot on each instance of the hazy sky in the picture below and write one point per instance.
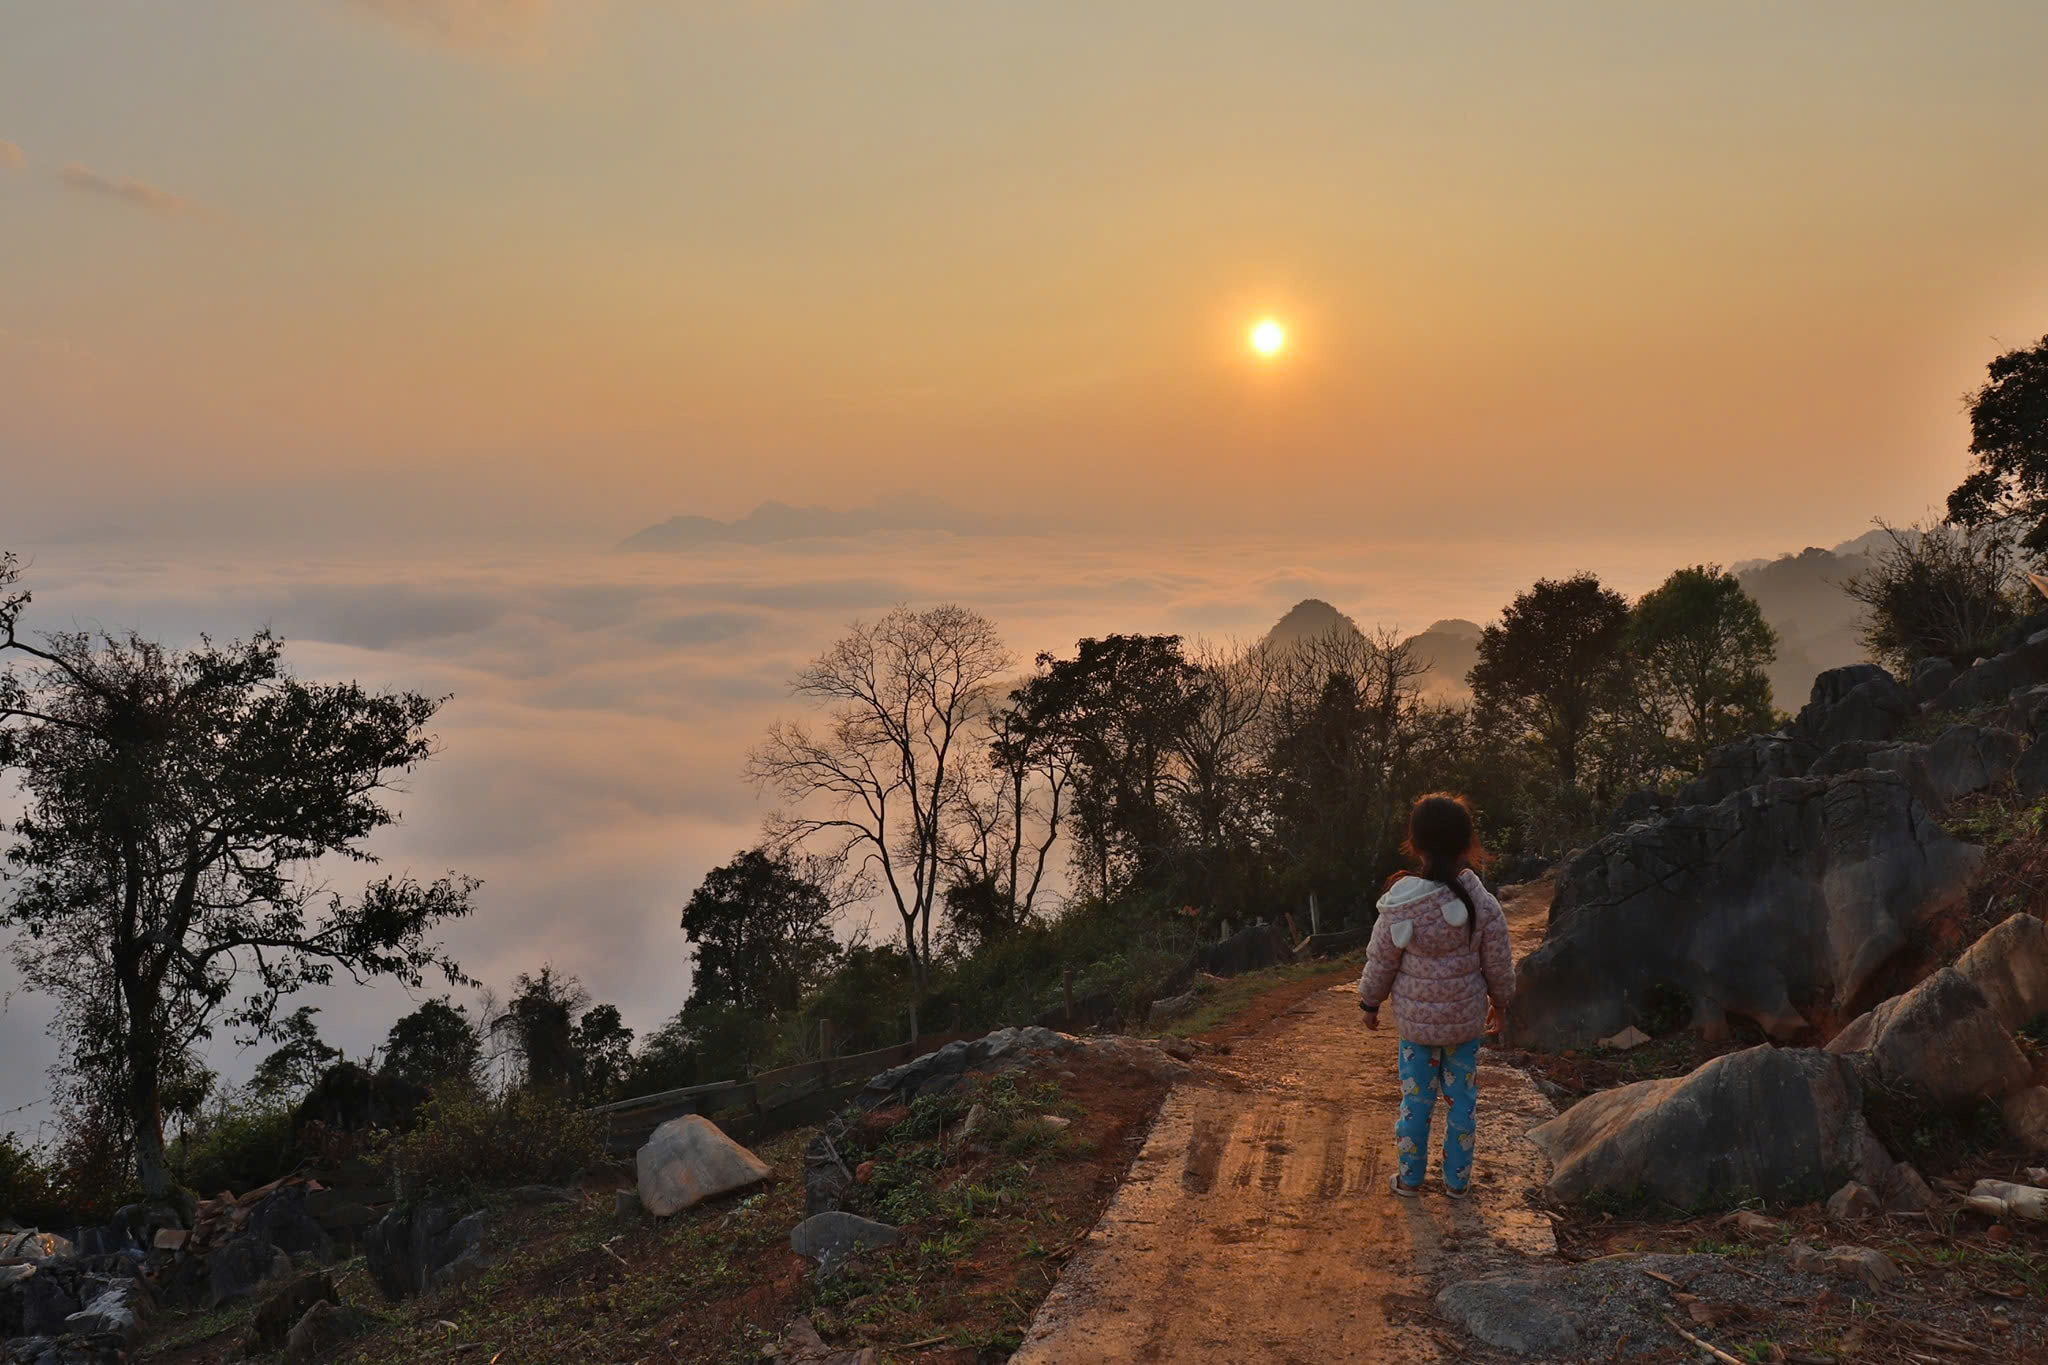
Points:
(379, 321)
(514, 267)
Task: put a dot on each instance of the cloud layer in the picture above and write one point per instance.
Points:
(467, 24)
(12, 158)
(603, 704)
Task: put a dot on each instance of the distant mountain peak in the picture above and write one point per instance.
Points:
(1310, 619)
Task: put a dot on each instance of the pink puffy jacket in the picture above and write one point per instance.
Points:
(1439, 977)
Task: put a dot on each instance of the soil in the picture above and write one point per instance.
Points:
(1256, 1224)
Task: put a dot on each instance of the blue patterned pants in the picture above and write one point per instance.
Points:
(1425, 1071)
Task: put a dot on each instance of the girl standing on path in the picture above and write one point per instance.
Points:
(1440, 949)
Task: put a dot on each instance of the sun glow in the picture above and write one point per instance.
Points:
(1268, 337)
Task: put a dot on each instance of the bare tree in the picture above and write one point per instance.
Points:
(877, 783)
(1219, 750)
(1006, 813)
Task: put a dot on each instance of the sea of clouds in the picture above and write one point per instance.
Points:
(602, 703)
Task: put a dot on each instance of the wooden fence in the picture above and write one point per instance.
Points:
(757, 1106)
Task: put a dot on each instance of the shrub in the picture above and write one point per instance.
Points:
(1941, 592)
(237, 1147)
(28, 1186)
(466, 1143)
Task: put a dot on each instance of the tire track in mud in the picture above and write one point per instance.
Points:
(1255, 1224)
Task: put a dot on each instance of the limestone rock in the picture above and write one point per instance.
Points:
(1940, 1043)
(2026, 1117)
(1931, 678)
(1904, 1190)
(1853, 1203)
(430, 1244)
(1780, 898)
(1861, 701)
(1626, 1040)
(1772, 1123)
(325, 1326)
(1748, 763)
(35, 1246)
(1514, 1312)
(2010, 966)
(831, 1237)
(688, 1160)
(241, 1268)
(117, 1309)
(271, 1325)
(1752, 1223)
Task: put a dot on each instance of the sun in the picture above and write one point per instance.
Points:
(1268, 337)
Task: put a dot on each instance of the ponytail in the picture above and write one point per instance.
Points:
(1448, 872)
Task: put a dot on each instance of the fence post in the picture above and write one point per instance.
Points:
(1315, 915)
(913, 1021)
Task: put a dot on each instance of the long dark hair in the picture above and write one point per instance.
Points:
(1442, 842)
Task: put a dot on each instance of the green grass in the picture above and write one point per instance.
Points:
(1235, 995)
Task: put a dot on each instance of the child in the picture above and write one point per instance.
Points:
(1441, 949)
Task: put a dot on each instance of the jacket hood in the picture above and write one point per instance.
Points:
(1409, 890)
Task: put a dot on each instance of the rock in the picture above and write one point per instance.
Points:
(689, 1160)
(1903, 1190)
(1753, 1224)
(281, 1219)
(271, 1326)
(1782, 898)
(826, 1179)
(937, 1071)
(36, 1246)
(863, 1173)
(626, 1205)
(1939, 1044)
(1861, 701)
(2010, 966)
(1637, 806)
(1770, 1123)
(977, 1115)
(1963, 760)
(1991, 681)
(241, 1268)
(830, 1238)
(801, 1345)
(1515, 1312)
(1853, 1203)
(1173, 1007)
(2025, 1113)
(35, 1299)
(116, 1307)
(1748, 763)
(170, 1239)
(1055, 1122)
(1628, 1038)
(1931, 678)
(325, 1326)
(1248, 950)
(1867, 1264)
(425, 1246)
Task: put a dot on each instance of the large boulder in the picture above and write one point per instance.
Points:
(688, 1160)
(1748, 763)
(1939, 1044)
(1765, 1123)
(285, 1220)
(37, 1298)
(116, 1307)
(2010, 966)
(1861, 701)
(242, 1267)
(1989, 682)
(271, 1325)
(415, 1249)
(325, 1327)
(1771, 902)
(1963, 759)
(942, 1069)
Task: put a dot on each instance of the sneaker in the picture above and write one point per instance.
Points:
(1405, 1191)
(1457, 1191)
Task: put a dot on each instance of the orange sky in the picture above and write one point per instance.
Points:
(1607, 265)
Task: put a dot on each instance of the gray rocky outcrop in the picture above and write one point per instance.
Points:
(1765, 1123)
(938, 1071)
(412, 1250)
(830, 1238)
(325, 1326)
(1748, 763)
(1775, 899)
(1859, 702)
(1989, 682)
(1931, 678)
(1962, 760)
(271, 1325)
(689, 1160)
(242, 1267)
(1939, 1044)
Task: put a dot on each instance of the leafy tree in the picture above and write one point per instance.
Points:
(2009, 437)
(1941, 592)
(1703, 650)
(1552, 662)
(298, 1063)
(604, 1052)
(1120, 709)
(876, 785)
(433, 1045)
(761, 934)
(177, 806)
(538, 1025)
(1005, 819)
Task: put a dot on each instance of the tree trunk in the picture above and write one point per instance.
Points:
(151, 1169)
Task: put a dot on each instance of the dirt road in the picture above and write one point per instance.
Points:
(1256, 1224)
